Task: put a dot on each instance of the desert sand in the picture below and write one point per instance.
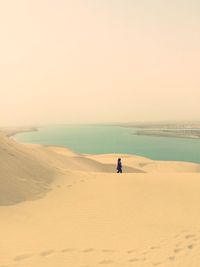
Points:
(59, 208)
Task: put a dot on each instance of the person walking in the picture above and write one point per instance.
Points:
(119, 166)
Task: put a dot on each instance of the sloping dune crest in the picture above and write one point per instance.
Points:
(148, 165)
(24, 175)
(26, 171)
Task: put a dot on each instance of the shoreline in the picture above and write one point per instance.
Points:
(10, 132)
(164, 134)
(185, 130)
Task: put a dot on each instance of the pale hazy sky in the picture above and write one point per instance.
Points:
(77, 61)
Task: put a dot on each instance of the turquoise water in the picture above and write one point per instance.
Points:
(97, 139)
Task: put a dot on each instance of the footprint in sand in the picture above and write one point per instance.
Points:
(172, 258)
(22, 257)
(177, 250)
(190, 246)
(156, 263)
(106, 262)
(133, 260)
(154, 247)
(130, 251)
(88, 250)
(46, 253)
(67, 250)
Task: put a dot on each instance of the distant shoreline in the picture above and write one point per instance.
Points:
(175, 134)
(10, 132)
(154, 130)
(188, 130)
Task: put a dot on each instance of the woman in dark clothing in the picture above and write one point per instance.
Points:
(119, 166)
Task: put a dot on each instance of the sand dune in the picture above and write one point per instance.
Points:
(148, 165)
(171, 167)
(59, 208)
(28, 170)
(24, 175)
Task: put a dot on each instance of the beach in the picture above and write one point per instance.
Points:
(62, 208)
